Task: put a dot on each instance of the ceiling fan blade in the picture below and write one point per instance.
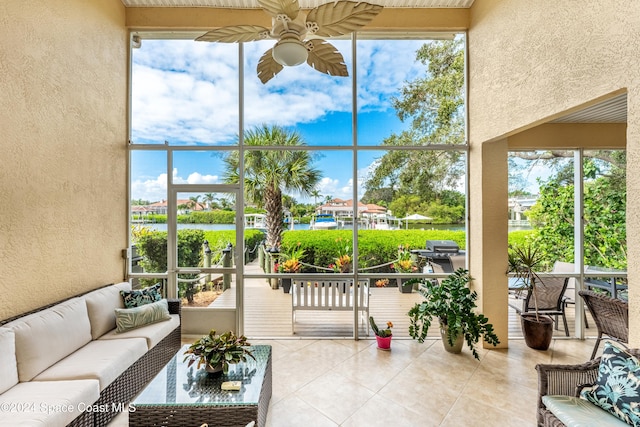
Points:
(291, 8)
(268, 67)
(336, 19)
(324, 57)
(236, 34)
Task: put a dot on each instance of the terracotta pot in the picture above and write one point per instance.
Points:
(457, 343)
(384, 343)
(537, 332)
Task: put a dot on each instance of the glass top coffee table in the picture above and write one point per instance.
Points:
(186, 396)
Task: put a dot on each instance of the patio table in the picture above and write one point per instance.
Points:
(186, 396)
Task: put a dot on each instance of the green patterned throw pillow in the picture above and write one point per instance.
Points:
(617, 389)
(139, 297)
(131, 318)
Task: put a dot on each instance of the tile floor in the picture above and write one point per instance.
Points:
(318, 383)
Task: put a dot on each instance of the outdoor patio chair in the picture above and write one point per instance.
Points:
(569, 267)
(550, 299)
(611, 316)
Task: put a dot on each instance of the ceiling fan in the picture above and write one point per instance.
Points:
(300, 35)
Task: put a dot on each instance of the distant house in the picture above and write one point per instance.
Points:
(344, 209)
(518, 208)
(160, 207)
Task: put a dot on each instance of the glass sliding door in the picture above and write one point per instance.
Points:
(203, 256)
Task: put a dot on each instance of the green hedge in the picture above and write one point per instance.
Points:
(375, 247)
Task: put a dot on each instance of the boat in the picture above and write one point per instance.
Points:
(380, 222)
(323, 222)
(255, 221)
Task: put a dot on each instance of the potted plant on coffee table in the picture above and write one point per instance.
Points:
(453, 304)
(216, 352)
(524, 260)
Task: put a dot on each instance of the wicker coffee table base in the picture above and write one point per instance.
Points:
(196, 414)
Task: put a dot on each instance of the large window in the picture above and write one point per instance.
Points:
(358, 172)
(571, 206)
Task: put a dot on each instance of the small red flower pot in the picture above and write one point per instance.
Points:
(384, 343)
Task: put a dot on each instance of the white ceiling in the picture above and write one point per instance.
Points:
(305, 4)
(613, 110)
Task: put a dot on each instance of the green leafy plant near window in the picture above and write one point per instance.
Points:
(454, 305)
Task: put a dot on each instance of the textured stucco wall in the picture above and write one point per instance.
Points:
(63, 183)
(531, 60)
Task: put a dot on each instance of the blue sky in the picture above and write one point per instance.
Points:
(186, 92)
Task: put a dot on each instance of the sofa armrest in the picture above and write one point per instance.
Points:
(564, 380)
(175, 306)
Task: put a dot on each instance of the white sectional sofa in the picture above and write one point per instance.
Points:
(66, 364)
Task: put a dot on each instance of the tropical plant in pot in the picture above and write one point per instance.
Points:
(524, 260)
(454, 305)
(216, 352)
(290, 264)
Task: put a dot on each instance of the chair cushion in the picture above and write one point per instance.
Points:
(8, 365)
(153, 333)
(573, 411)
(104, 360)
(45, 337)
(132, 318)
(140, 297)
(47, 403)
(101, 304)
(617, 388)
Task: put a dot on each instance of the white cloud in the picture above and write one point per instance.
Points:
(188, 91)
(155, 189)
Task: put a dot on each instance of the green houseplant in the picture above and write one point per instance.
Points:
(217, 352)
(524, 260)
(453, 304)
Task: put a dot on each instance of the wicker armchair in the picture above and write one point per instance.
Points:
(564, 380)
(611, 316)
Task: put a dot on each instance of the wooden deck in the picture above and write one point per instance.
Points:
(268, 314)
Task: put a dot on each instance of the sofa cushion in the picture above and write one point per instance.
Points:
(132, 318)
(103, 360)
(153, 333)
(573, 411)
(101, 304)
(45, 337)
(47, 404)
(140, 297)
(617, 388)
(8, 365)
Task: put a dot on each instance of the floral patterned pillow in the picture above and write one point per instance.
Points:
(140, 297)
(617, 389)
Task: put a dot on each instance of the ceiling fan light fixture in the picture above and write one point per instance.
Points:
(290, 52)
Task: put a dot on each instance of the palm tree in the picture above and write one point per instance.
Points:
(315, 194)
(267, 173)
(193, 202)
(209, 199)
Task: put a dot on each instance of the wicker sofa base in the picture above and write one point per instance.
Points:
(548, 419)
(117, 395)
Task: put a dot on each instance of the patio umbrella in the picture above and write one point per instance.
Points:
(414, 217)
